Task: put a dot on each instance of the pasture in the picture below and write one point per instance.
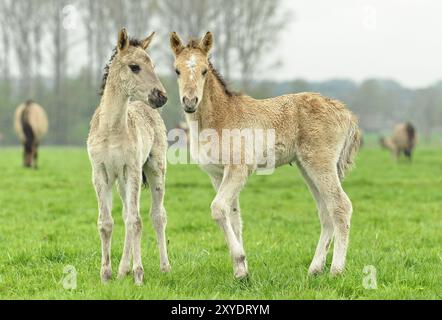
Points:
(48, 221)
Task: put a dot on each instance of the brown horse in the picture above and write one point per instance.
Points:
(31, 124)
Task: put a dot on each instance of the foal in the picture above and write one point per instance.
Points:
(318, 134)
(127, 142)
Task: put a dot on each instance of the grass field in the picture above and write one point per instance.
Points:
(48, 221)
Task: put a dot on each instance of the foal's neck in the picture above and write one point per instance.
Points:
(113, 113)
(215, 105)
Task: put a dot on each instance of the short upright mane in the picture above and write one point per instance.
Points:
(222, 82)
(132, 42)
(195, 44)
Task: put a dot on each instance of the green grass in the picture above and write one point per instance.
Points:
(48, 221)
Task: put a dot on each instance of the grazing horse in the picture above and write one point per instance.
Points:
(403, 140)
(319, 134)
(31, 125)
(127, 144)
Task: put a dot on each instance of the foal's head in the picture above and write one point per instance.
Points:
(192, 66)
(132, 70)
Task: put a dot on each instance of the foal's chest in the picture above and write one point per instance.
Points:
(115, 156)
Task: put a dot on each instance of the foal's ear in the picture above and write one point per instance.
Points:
(176, 44)
(206, 43)
(123, 40)
(146, 42)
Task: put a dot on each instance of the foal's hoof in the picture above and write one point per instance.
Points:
(139, 276)
(240, 269)
(336, 271)
(315, 270)
(106, 275)
(123, 271)
(166, 268)
(241, 274)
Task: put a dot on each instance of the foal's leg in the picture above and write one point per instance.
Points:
(235, 212)
(155, 173)
(126, 259)
(236, 220)
(103, 188)
(319, 260)
(133, 225)
(235, 177)
(340, 208)
(342, 212)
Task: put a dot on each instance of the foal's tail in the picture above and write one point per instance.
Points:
(350, 149)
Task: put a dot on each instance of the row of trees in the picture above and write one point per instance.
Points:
(46, 46)
(42, 33)
(54, 51)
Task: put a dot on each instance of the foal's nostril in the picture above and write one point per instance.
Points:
(162, 99)
(190, 102)
(157, 98)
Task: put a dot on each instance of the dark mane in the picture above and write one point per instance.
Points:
(195, 44)
(132, 42)
(222, 82)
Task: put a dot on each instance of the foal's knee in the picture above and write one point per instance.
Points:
(220, 209)
(135, 224)
(159, 218)
(105, 227)
(342, 212)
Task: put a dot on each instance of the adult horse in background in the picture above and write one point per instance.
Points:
(127, 143)
(319, 134)
(31, 125)
(403, 140)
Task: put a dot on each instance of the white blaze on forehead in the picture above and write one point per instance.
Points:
(191, 65)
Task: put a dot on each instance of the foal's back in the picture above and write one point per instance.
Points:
(296, 109)
(305, 123)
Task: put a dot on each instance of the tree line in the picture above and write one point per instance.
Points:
(41, 42)
(54, 52)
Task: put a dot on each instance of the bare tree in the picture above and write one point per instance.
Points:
(188, 17)
(20, 27)
(89, 9)
(59, 62)
(5, 8)
(257, 27)
(243, 29)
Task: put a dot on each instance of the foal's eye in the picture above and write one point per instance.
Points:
(135, 68)
(177, 72)
(204, 72)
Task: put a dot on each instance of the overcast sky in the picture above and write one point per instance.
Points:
(358, 39)
(352, 39)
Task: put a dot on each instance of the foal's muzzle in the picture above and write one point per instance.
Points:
(157, 98)
(190, 104)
